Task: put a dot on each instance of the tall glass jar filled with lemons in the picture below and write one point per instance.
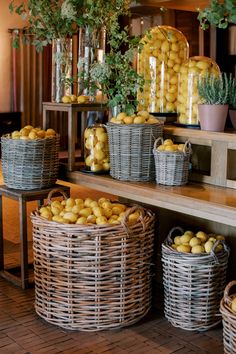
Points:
(188, 98)
(163, 51)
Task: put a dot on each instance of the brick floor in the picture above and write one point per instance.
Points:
(23, 332)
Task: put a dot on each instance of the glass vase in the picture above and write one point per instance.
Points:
(91, 49)
(61, 68)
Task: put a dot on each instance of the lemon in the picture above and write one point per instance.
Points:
(66, 99)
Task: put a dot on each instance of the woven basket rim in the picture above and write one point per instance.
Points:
(8, 137)
(133, 124)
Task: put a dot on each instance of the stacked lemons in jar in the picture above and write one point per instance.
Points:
(96, 148)
(188, 98)
(199, 242)
(87, 211)
(164, 49)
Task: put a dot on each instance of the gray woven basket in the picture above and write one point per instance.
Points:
(229, 319)
(172, 168)
(93, 277)
(193, 285)
(30, 164)
(130, 149)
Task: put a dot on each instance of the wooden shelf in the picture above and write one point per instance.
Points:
(214, 152)
(200, 200)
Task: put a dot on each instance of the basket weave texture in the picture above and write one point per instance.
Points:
(193, 286)
(172, 168)
(130, 149)
(229, 319)
(93, 277)
(30, 164)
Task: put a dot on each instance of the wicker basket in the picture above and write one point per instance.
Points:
(172, 167)
(91, 277)
(130, 149)
(193, 285)
(229, 320)
(30, 164)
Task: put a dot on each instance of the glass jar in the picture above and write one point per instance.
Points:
(188, 98)
(96, 151)
(92, 45)
(164, 49)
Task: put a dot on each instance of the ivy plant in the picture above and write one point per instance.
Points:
(218, 13)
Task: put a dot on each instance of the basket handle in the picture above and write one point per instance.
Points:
(213, 250)
(53, 191)
(157, 141)
(132, 210)
(169, 238)
(187, 147)
(227, 298)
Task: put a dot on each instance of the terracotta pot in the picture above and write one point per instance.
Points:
(232, 116)
(212, 117)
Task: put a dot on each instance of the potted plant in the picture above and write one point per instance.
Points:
(214, 93)
(218, 13)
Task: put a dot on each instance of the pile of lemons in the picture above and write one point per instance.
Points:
(76, 99)
(200, 242)
(31, 133)
(168, 145)
(87, 211)
(142, 117)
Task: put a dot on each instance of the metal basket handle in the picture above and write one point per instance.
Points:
(169, 239)
(53, 191)
(227, 298)
(160, 139)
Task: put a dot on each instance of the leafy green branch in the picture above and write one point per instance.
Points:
(218, 13)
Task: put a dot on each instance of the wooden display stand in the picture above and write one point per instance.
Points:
(22, 196)
(71, 109)
(214, 154)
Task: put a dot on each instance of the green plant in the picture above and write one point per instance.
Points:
(232, 95)
(50, 19)
(219, 14)
(116, 76)
(216, 89)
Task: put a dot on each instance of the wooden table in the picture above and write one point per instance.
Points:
(23, 197)
(71, 109)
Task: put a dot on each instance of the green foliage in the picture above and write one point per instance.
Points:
(232, 94)
(116, 76)
(51, 19)
(219, 14)
(216, 89)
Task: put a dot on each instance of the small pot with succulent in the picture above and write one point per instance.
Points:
(214, 92)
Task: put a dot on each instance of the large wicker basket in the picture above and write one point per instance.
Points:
(229, 319)
(93, 277)
(30, 164)
(193, 285)
(172, 168)
(130, 149)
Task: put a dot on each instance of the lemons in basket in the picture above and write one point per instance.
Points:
(197, 243)
(88, 212)
(168, 145)
(233, 304)
(31, 133)
(142, 117)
